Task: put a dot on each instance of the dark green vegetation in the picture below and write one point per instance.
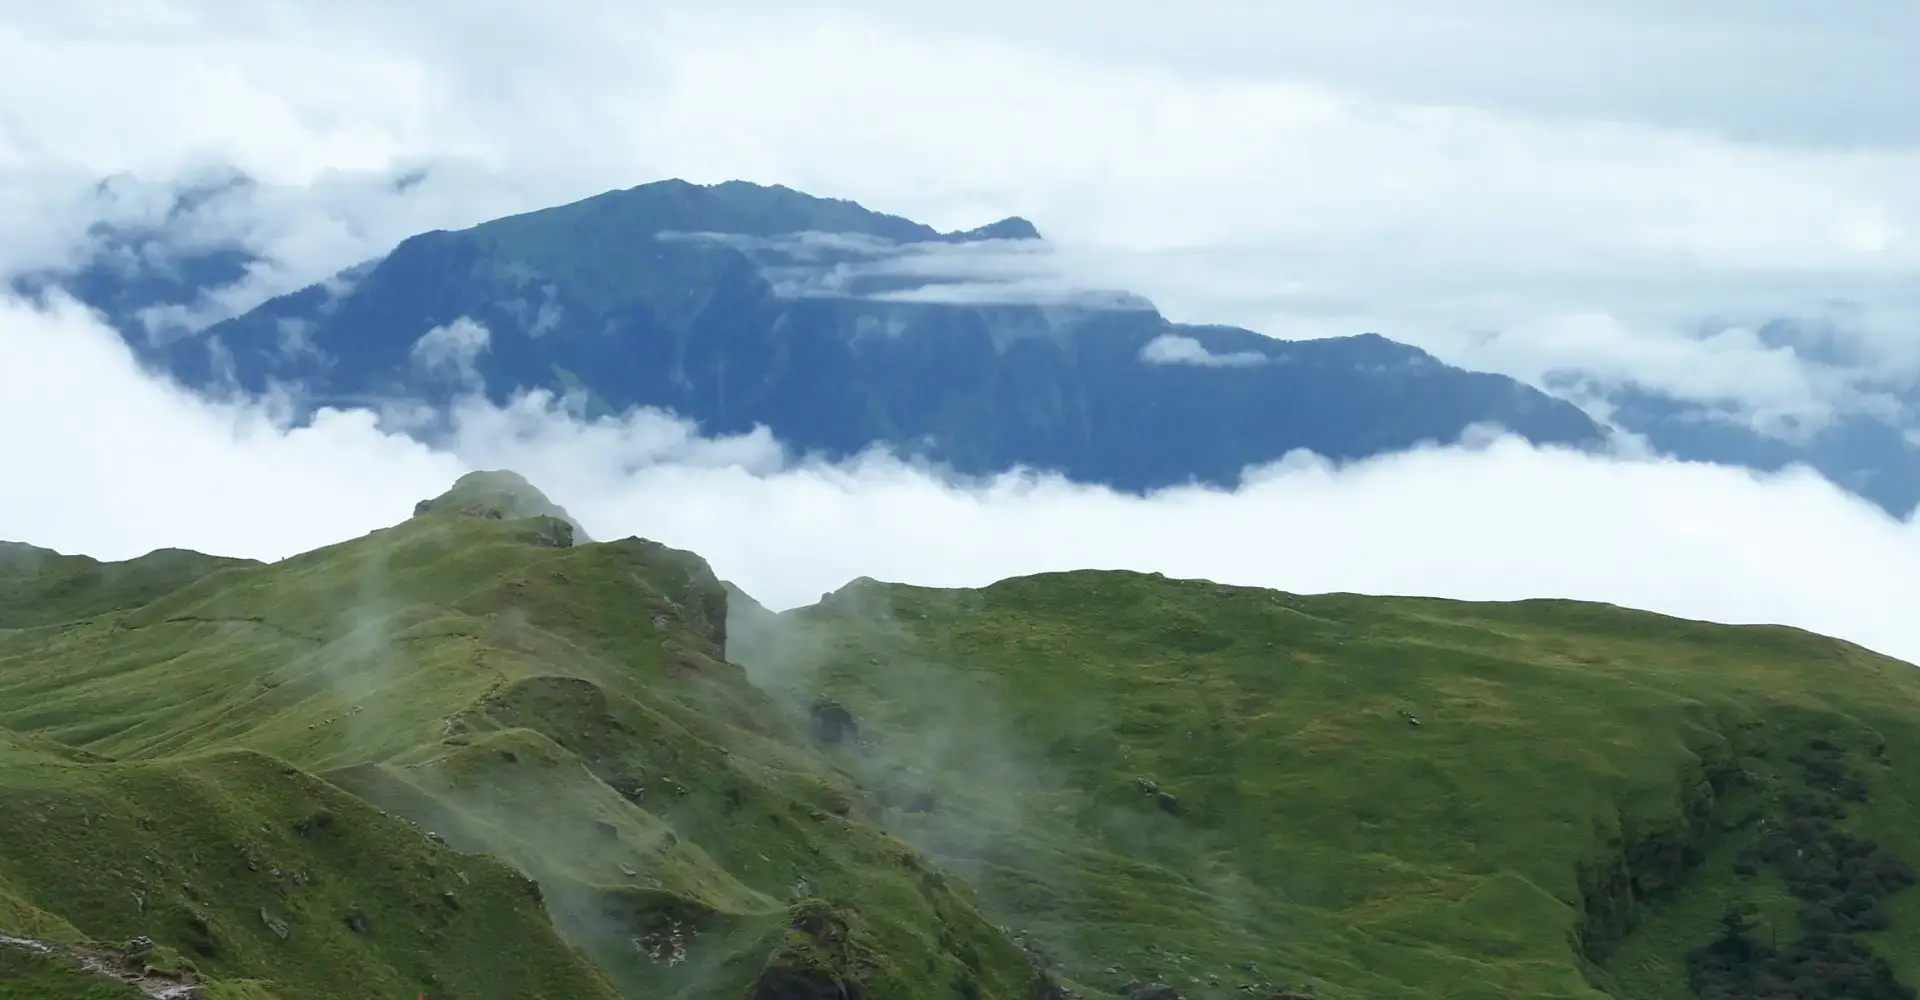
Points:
(474, 756)
(1841, 882)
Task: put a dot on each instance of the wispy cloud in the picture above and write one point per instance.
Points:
(1174, 349)
(448, 353)
(976, 272)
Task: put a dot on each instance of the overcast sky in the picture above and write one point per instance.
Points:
(1519, 186)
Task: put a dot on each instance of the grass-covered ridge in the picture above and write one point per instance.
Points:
(43, 587)
(332, 776)
(476, 756)
(1223, 788)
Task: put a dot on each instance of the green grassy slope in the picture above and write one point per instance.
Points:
(275, 744)
(1383, 797)
(467, 756)
(42, 587)
(240, 865)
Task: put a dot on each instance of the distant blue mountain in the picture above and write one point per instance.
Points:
(737, 305)
(1876, 457)
(838, 327)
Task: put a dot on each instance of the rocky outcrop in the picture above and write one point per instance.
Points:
(830, 722)
(503, 495)
(1652, 854)
(819, 960)
(126, 965)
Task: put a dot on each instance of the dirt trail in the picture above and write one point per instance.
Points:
(107, 962)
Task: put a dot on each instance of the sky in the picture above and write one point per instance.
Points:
(1618, 188)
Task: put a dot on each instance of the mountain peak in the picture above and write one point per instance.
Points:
(734, 207)
(1012, 227)
(498, 493)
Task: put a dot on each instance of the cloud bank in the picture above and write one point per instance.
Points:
(119, 463)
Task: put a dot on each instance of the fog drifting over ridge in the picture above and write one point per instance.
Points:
(139, 464)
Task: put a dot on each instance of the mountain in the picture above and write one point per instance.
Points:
(1868, 444)
(737, 305)
(472, 756)
(1872, 455)
(838, 327)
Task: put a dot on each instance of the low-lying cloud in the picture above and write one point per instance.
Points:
(448, 353)
(102, 458)
(984, 272)
(1174, 349)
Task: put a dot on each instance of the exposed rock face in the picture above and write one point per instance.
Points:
(553, 532)
(1045, 987)
(827, 967)
(782, 983)
(830, 722)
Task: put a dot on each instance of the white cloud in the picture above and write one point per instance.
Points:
(546, 320)
(101, 458)
(1174, 349)
(144, 465)
(294, 337)
(1732, 365)
(449, 352)
(977, 272)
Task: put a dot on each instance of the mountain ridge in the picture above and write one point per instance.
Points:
(1083, 783)
(590, 300)
(451, 669)
(148, 278)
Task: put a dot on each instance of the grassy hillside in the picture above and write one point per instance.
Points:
(1221, 788)
(474, 756)
(242, 867)
(43, 587)
(286, 775)
(335, 774)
